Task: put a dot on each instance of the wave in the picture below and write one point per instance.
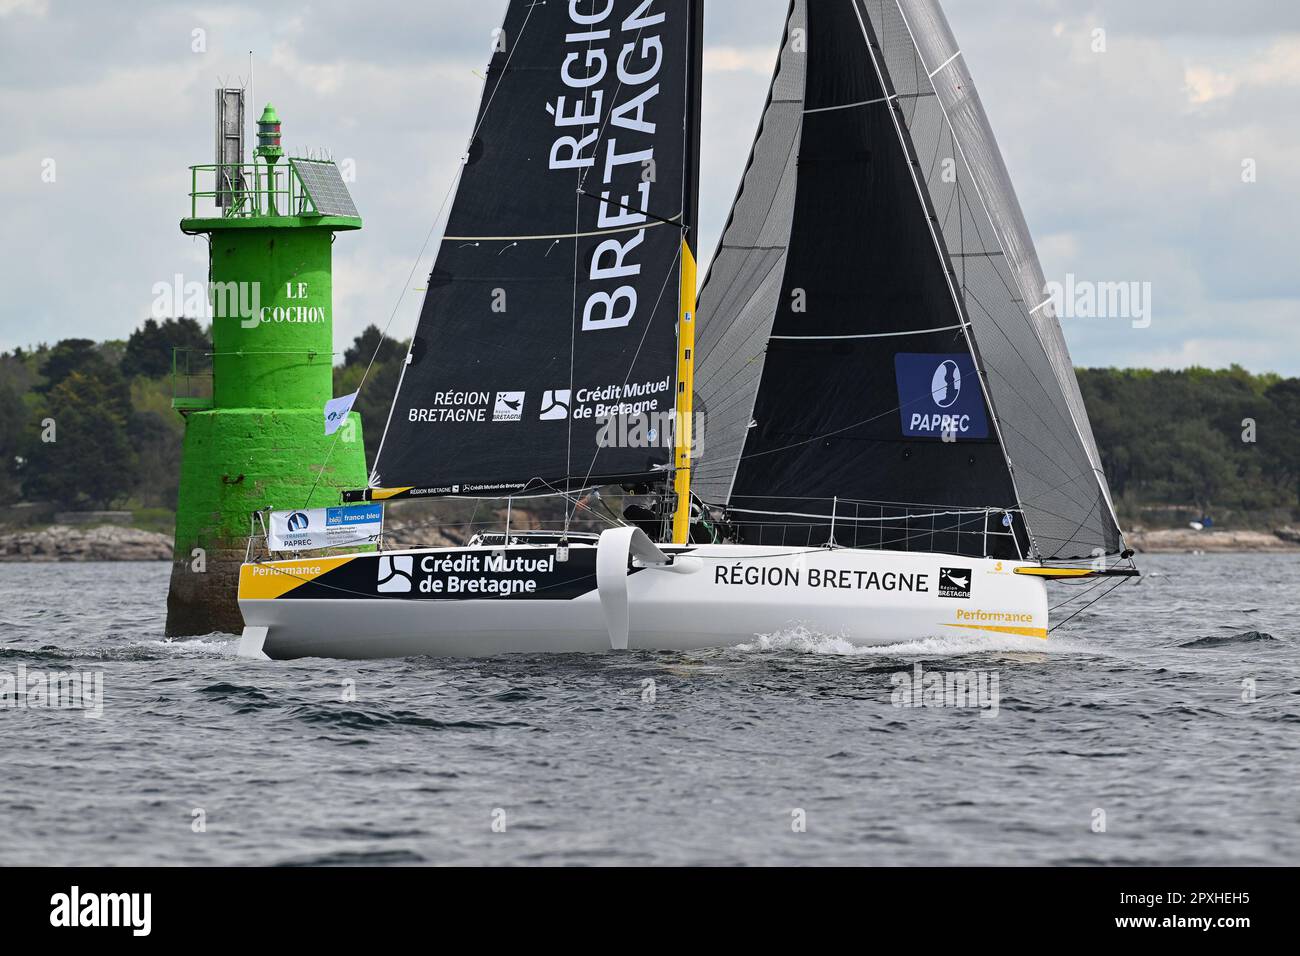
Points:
(1222, 640)
(802, 640)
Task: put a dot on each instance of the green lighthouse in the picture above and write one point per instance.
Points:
(258, 440)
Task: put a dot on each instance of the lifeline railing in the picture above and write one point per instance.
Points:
(508, 526)
(803, 522)
(878, 525)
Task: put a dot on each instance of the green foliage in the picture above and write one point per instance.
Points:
(1167, 439)
(148, 351)
(90, 463)
(1182, 438)
(373, 342)
(68, 357)
(13, 413)
(380, 386)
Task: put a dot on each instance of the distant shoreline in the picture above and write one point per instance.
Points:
(58, 543)
(1190, 541)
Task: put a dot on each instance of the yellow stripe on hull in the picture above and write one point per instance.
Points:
(264, 582)
(1039, 632)
(1056, 572)
(383, 494)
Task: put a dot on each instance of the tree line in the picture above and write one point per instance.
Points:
(90, 425)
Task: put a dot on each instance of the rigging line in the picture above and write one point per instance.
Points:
(401, 297)
(938, 143)
(600, 133)
(869, 37)
(849, 106)
(1099, 597)
(1002, 244)
(1037, 381)
(871, 335)
(760, 329)
(1067, 519)
(640, 212)
(566, 235)
(874, 502)
(748, 269)
(859, 520)
(943, 64)
(1075, 597)
(753, 148)
(824, 435)
(573, 312)
(782, 251)
(504, 69)
(573, 499)
(455, 181)
(573, 324)
(672, 268)
(750, 335)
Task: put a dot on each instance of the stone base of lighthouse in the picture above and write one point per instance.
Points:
(237, 461)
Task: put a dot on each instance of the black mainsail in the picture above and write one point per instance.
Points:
(871, 322)
(550, 320)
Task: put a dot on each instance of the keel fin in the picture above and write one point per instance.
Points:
(615, 552)
(251, 643)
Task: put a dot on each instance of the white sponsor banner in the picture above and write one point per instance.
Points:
(312, 528)
(336, 412)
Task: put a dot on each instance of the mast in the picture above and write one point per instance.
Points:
(685, 396)
(685, 404)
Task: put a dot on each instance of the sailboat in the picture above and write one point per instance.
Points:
(874, 433)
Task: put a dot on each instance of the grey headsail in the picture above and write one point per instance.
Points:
(553, 302)
(872, 326)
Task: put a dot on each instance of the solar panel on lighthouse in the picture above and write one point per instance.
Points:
(325, 186)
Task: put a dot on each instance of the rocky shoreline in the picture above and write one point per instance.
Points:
(1189, 541)
(67, 543)
(115, 543)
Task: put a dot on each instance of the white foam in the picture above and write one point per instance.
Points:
(802, 640)
(211, 645)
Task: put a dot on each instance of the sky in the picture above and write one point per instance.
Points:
(1163, 150)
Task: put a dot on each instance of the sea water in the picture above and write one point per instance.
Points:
(1160, 725)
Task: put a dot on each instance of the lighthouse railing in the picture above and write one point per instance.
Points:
(249, 189)
(192, 380)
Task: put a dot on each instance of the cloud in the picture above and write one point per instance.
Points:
(27, 8)
(730, 59)
(1129, 164)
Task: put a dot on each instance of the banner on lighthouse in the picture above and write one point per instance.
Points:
(308, 529)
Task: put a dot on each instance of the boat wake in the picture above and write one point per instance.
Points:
(802, 640)
(208, 645)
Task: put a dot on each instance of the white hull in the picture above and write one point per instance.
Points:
(621, 594)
